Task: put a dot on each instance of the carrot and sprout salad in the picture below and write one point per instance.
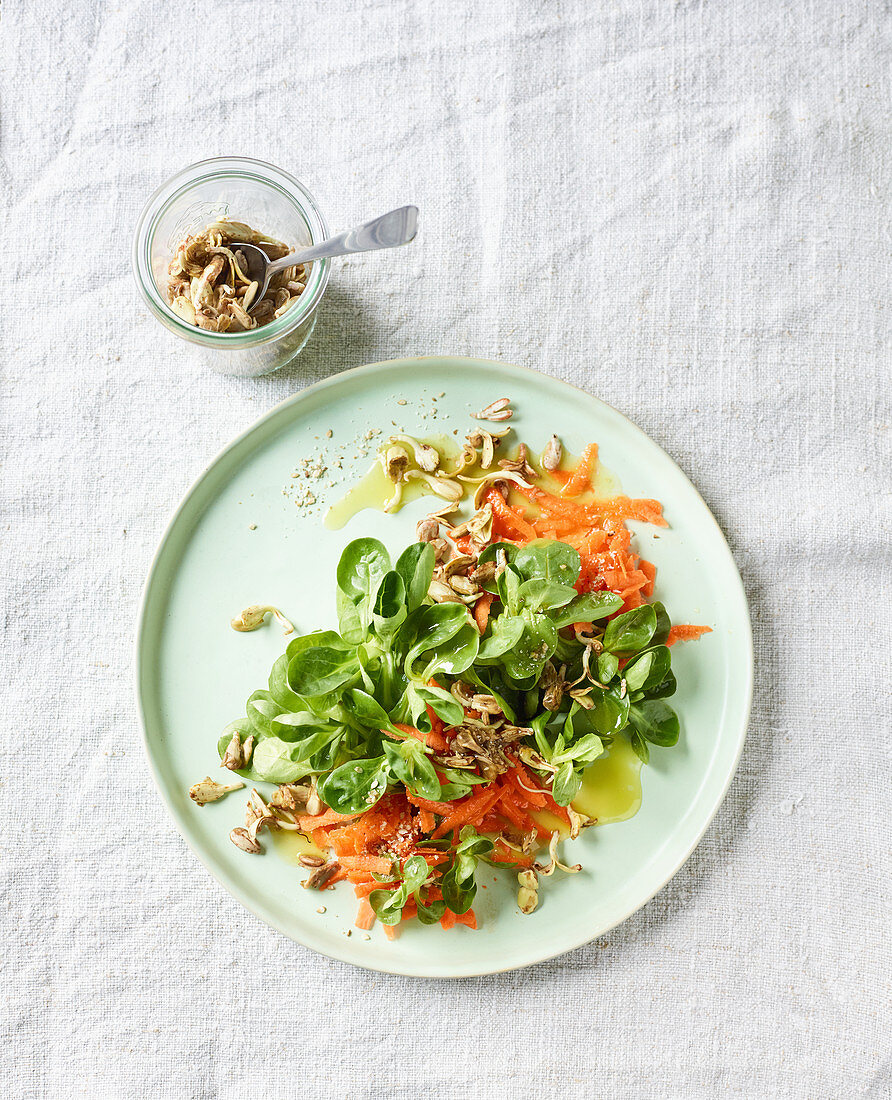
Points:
(467, 688)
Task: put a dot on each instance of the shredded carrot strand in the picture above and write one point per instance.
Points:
(434, 807)
(432, 740)
(469, 811)
(481, 611)
(377, 864)
(363, 889)
(581, 478)
(307, 822)
(365, 915)
(508, 518)
(685, 633)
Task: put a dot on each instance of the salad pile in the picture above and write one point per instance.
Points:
(450, 718)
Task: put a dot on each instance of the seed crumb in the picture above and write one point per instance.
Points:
(252, 526)
(348, 932)
(321, 909)
(401, 401)
(366, 936)
(328, 434)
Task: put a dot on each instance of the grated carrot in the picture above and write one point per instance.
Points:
(581, 477)
(686, 633)
(507, 518)
(365, 915)
(433, 740)
(377, 864)
(481, 611)
(309, 823)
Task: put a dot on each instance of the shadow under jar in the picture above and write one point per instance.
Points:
(242, 190)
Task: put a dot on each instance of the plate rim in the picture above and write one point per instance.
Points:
(140, 642)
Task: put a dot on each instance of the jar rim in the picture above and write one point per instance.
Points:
(221, 168)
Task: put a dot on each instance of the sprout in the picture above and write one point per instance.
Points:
(209, 271)
(440, 592)
(290, 796)
(552, 684)
(552, 454)
(257, 814)
(462, 692)
(253, 617)
(586, 636)
(238, 313)
(318, 880)
(209, 790)
(241, 838)
(498, 410)
(479, 526)
(427, 529)
(554, 863)
(315, 805)
(427, 457)
(531, 757)
(445, 510)
(443, 486)
(459, 562)
(250, 294)
(183, 308)
(467, 459)
(494, 478)
(202, 288)
(395, 461)
(463, 585)
(528, 894)
(392, 503)
(238, 755)
(519, 465)
(582, 697)
(578, 822)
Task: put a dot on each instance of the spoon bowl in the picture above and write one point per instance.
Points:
(391, 230)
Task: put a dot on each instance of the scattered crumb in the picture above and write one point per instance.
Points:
(252, 526)
(321, 909)
(324, 462)
(348, 932)
(366, 936)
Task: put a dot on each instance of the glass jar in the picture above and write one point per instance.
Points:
(263, 197)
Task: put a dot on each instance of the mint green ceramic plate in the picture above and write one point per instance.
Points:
(195, 673)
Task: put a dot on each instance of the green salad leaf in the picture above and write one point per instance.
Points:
(389, 904)
(457, 882)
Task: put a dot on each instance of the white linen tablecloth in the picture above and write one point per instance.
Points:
(682, 207)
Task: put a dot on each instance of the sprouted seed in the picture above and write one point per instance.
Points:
(208, 283)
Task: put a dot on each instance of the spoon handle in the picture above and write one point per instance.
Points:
(390, 230)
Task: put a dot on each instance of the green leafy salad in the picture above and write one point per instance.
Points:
(452, 715)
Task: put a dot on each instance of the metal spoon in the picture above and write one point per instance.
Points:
(390, 230)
